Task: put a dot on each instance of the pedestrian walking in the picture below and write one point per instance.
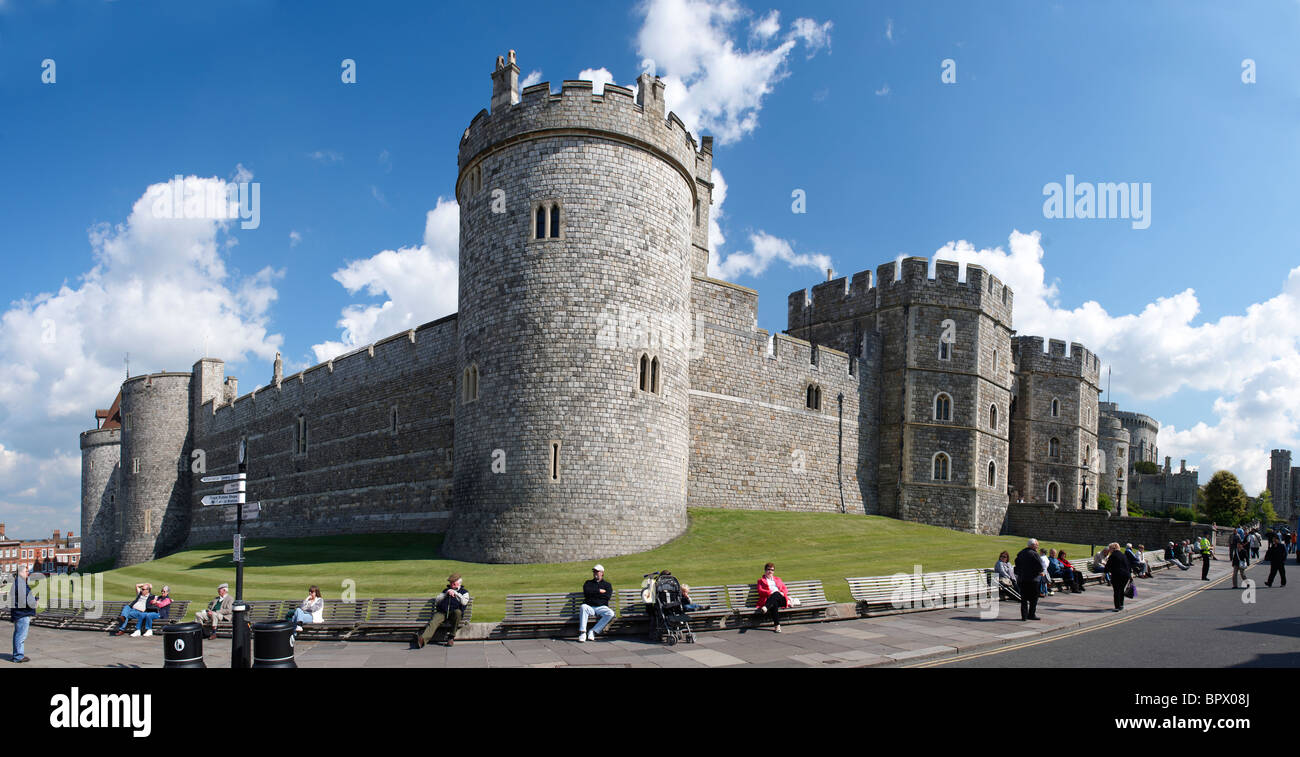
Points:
(1029, 566)
(1239, 553)
(22, 608)
(1120, 574)
(1276, 558)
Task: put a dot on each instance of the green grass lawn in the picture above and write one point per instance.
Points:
(720, 547)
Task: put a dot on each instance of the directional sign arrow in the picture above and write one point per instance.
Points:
(223, 499)
(232, 488)
(226, 477)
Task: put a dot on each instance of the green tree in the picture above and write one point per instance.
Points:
(1261, 508)
(1146, 466)
(1225, 501)
(1182, 513)
(1103, 501)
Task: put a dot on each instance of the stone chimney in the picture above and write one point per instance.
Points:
(505, 83)
(1167, 461)
(277, 371)
(1182, 466)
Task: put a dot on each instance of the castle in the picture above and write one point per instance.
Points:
(596, 381)
(1284, 483)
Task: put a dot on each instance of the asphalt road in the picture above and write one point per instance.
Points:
(1213, 628)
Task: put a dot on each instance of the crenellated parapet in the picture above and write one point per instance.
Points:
(637, 120)
(1079, 362)
(908, 282)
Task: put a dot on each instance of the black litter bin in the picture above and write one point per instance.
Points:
(183, 646)
(273, 645)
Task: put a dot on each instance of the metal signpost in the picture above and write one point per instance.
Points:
(233, 494)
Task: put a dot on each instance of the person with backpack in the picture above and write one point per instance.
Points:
(1120, 573)
(1029, 567)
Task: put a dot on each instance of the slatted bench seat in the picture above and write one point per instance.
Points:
(259, 611)
(743, 599)
(631, 605)
(544, 611)
(338, 618)
(107, 621)
(878, 595)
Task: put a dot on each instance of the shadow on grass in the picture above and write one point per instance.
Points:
(368, 548)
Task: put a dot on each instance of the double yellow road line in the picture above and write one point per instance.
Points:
(1057, 637)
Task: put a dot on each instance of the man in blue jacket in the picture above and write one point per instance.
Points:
(22, 608)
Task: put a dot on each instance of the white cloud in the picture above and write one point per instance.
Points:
(599, 78)
(294, 238)
(719, 196)
(883, 90)
(766, 27)
(889, 29)
(1252, 358)
(816, 36)
(158, 289)
(765, 249)
(533, 77)
(711, 84)
(420, 284)
(326, 156)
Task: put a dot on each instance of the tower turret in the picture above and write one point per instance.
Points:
(576, 228)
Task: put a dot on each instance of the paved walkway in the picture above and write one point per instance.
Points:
(887, 640)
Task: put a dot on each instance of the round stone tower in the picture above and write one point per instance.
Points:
(1113, 439)
(577, 212)
(101, 452)
(154, 474)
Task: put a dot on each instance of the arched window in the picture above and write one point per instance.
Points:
(1054, 447)
(470, 382)
(555, 221)
(993, 473)
(942, 407)
(941, 464)
(654, 375)
(644, 381)
(1053, 493)
(814, 400)
(993, 416)
(1056, 408)
(540, 229)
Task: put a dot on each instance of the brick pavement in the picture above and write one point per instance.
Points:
(847, 643)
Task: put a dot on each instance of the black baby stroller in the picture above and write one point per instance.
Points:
(668, 621)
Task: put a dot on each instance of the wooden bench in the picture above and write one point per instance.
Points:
(813, 604)
(882, 595)
(631, 605)
(338, 618)
(107, 621)
(545, 611)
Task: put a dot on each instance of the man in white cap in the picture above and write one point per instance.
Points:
(218, 609)
(596, 593)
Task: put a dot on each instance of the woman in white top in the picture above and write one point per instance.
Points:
(311, 610)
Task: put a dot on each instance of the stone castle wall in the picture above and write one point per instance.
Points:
(1100, 527)
(754, 442)
(155, 474)
(557, 326)
(101, 454)
(357, 475)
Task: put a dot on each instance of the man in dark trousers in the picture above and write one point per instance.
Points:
(1207, 552)
(1276, 558)
(1028, 568)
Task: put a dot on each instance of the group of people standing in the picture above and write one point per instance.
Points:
(1034, 568)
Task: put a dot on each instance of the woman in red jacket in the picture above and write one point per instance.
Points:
(772, 596)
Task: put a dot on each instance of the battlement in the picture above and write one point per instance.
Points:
(904, 281)
(795, 353)
(342, 372)
(1130, 418)
(97, 437)
(576, 110)
(1030, 357)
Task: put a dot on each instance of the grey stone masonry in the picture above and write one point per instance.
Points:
(1113, 439)
(377, 451)
(101, 454)
(755, 442)
(1054, 451)
(155, 473)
